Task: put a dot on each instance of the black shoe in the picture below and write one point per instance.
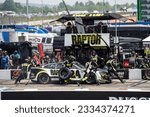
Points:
(122, 81)
(16, 81)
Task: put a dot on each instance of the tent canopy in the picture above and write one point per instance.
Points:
(146, 40)
(91, 17)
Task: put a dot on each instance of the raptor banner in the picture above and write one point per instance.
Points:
(94, 40)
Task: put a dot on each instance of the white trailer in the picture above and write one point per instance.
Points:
(46, 39)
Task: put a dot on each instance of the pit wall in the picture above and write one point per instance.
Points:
(131, 74)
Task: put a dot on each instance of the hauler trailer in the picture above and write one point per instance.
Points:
(131, 36)
(20, 35)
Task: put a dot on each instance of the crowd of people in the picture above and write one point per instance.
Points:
(14, 60)
(9, 61)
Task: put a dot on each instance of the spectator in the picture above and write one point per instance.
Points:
(11, 62)
(59, 56)
(132, 60)
(16, 59)
(4, 60)
(94, 57)
(47, 59)
(36, 59)
(99, 27)
(1, 52)
(69, 28)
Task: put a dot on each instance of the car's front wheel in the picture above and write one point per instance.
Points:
(43, 78)
(91, 78)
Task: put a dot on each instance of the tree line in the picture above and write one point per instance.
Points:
(10, 5)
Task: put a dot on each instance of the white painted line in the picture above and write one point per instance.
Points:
(82, 89)
(30, 89)
(3, 88)
(134, 89)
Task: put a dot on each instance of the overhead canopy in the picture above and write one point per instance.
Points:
(146, 40)
(91, 16)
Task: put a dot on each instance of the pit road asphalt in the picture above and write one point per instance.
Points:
(116, 85)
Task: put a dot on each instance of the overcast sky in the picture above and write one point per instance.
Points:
(55, 2)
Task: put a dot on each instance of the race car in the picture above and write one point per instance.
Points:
(53, 72)
(60, 72)
(47, 73)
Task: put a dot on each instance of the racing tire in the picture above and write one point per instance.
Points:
(65, 73)
(91, 78)
(43, 78)
(147, 74)
(109, 80)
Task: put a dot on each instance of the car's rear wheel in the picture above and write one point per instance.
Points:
(43, 78)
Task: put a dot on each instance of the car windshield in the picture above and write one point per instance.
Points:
(54, 65)
(50, 66)
(78, 65)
